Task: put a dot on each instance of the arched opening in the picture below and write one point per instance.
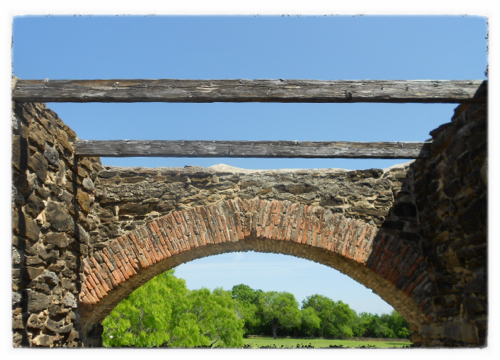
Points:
(281, 273)
(389, 266)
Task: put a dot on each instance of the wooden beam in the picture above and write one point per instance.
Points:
(252, 149)
(282, 91)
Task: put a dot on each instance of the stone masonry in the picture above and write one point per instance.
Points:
(381, 261)
(451, 198)
(85, 236)
(51, 199)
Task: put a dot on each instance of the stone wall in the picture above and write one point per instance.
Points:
(127, 198)
(451, 198)
(51, 198)
(66, 212)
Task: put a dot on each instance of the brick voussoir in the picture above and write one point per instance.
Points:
(239, 220)
(185, 231)
(158, 240)
(135, 253)
(169, 238)
(139, 251)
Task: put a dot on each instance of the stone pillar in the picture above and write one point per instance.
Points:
(51, 198)
(451, 198)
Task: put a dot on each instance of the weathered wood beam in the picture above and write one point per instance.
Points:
(252, 149)
(282, 91)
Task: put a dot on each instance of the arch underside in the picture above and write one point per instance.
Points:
(391, 268)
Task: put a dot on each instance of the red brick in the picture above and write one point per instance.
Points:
(122, 251)
(185, 231)
(110, 276)
(94, 277)
(132, 249)
(172, 227)
(153, 226)
(128, 270)
(408, 274)
(101, 290)
(95, 293)
(143, 259)
(172, 241)
(394, 277)
(89, 282)
(247, 227)
(419, 279)
(176, 216)
(152, 248)
(117, 276)
(362, 235)
(239, 229)
(278, 212)
(169, 238)
(410, 289)
(223, 227)
(298, 232)
(203, 228)
(91, 298)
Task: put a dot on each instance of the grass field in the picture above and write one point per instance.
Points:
(319, 343)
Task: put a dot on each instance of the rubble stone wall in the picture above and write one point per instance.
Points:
(51, 199)
(68, 212)
(127, 198)
(451, 199)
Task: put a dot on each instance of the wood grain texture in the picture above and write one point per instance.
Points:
(252, 149)
(301, 91)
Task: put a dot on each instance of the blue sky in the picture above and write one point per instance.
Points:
(262, 47)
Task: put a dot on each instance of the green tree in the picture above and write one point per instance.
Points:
(149, 316)
(310, 322)
(381, 326)
(216, 317)
(247, 301)
(163, 312)
(279, 310)
(361, 324)
(399, 325)
(336, 317)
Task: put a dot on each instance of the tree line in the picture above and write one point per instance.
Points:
(267, 313)
(164, 313)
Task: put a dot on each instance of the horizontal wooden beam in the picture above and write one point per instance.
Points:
(281, 91)
(252, 149)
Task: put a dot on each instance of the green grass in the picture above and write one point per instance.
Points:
(320, 343)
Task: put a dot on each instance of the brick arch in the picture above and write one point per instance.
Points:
(392, 268)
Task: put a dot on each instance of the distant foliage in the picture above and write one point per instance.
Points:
(384, 326)
(335, 317)
(247, 307)
(318, 317)
(280, 310)
(163, 312)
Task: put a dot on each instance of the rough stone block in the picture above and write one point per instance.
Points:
(34, 206)
(51, 155)
(37, 302)
(461, 331)
(58, 239)
(43, 340)
(88, 184)
(39, 165)
(83, 200)
(35, 322)
(69, 300)
(19, 153)
(34, 272)
(59, 217)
